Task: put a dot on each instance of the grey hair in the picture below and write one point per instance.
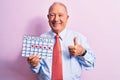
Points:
(59, 4)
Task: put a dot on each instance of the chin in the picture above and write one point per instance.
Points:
(56, 30)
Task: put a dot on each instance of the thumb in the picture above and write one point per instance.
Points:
(75, 41)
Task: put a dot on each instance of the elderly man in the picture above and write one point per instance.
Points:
(71, 51)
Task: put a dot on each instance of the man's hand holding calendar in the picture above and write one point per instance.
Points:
(33, 60)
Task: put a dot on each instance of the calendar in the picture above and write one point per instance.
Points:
(42, 46)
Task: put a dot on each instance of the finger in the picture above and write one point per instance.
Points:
(72, 53)
(71, 47)
(36, 58)
(75, 41)
(32, 57)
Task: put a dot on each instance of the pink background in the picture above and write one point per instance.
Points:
(99, 20)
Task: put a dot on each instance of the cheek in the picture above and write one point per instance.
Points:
(50, 19)
(64, 20)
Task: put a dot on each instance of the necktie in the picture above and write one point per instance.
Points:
(57, 61)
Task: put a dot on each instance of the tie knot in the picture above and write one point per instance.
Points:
(57, 36)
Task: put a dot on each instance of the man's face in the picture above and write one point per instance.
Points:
(57, 18)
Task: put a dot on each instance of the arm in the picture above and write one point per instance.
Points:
(87, 60)
(82, 52)
(34, 62)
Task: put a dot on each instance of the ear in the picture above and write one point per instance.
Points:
(67, 16)
(48, 16)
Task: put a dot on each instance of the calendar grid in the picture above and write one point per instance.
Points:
(42, 46)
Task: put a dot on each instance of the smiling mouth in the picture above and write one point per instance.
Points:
(54, 23)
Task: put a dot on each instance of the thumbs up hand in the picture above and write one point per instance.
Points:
(76, 49)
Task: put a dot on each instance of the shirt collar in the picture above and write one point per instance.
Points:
(61, 34)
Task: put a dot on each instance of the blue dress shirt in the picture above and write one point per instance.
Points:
(72, 66)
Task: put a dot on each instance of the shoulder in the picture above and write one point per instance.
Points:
(75, 33)
(46, 34)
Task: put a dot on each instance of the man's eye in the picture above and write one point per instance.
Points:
(60, 15)
(52, 15)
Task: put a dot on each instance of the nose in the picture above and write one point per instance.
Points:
(56, 18)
